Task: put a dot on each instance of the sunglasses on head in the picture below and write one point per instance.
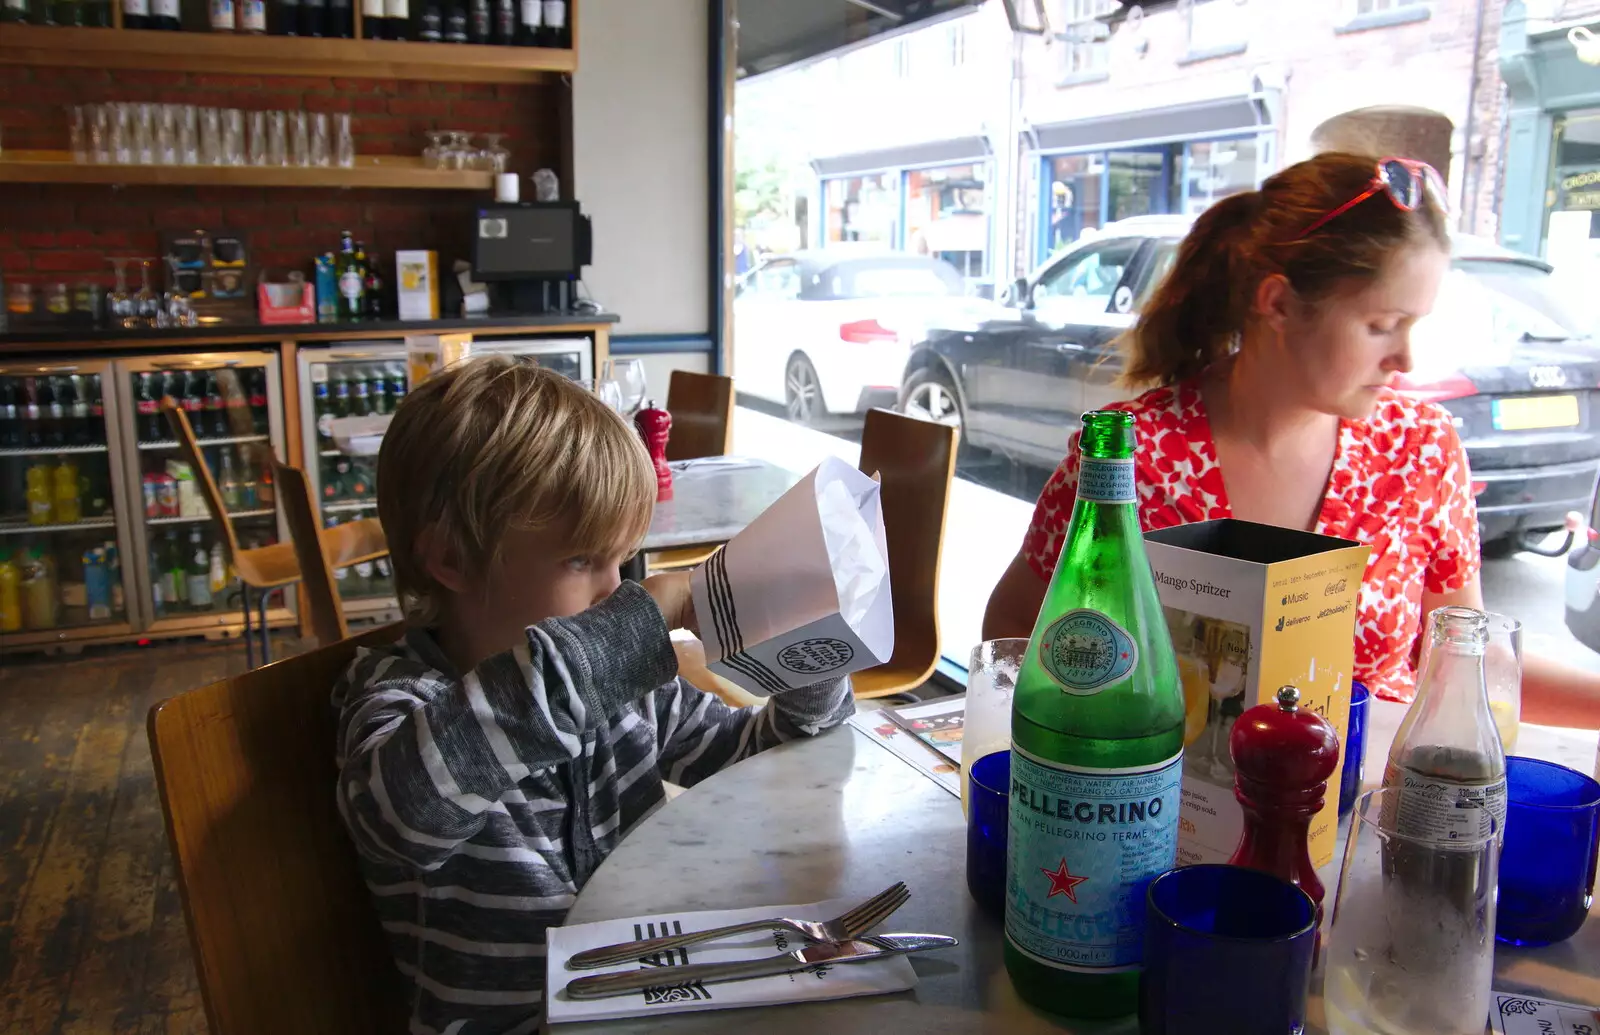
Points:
(1405, 180)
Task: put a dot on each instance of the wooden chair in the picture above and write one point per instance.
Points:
(702, 425)
(266, 568)
(317, 583)
(915, 460)
(284, 935)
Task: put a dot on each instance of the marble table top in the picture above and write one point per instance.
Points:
(714, 499)
(840, 816)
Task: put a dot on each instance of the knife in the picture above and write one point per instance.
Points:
(877, 947)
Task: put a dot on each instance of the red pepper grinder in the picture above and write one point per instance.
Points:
(1282, 757)
(655, 427)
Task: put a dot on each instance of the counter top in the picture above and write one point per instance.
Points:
(57, 339)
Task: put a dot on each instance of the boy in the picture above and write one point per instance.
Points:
(492, 759)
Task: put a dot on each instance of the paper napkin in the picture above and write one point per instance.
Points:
(840, 981)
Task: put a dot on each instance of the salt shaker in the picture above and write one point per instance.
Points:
(1283, 757)
(655, 426)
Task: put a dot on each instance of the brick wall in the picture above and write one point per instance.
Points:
(51, 232)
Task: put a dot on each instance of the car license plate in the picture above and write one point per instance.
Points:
(1543, 411)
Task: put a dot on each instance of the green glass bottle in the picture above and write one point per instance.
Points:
(1097, 750)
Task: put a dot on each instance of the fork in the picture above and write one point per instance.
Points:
(843, 928)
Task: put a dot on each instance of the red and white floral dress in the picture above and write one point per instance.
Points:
(1399, 484)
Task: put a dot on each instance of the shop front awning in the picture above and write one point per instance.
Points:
(1233, 114)
(955, 151)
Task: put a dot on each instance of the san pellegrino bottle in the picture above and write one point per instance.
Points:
(1097, 749)
(1447, 750)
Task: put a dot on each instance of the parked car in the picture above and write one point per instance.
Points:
(1506, 352)
(828, 331)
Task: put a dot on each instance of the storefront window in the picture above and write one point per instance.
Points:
(861, 208)
(1215, 169)
(1074, 185)
(1140, 183)
(1572, 227)
(947, 217)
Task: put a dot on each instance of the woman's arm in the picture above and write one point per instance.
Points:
(1553, 694)
(1014, 604)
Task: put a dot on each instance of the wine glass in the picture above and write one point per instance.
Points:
(610, 393)
(167, 134)
(119, 304)
(433, 154)
(458, 155)
(629, 373)
(497, 155)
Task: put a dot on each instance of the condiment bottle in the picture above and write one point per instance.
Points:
(655, 426)
(1283, 756)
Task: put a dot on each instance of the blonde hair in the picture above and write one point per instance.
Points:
(494, 444)
(1201, 307)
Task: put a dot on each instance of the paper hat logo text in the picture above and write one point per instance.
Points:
(816, 656)
(1085, 650)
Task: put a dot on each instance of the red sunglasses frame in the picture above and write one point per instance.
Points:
(1424, 173)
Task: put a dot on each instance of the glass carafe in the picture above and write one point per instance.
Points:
(146, 303)
(119, 304)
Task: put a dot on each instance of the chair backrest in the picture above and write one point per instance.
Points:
(319, 590)
(702, 415)
(189, 448)
(284, 935)
(915, 461)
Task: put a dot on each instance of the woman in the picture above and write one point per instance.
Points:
(1272, 345)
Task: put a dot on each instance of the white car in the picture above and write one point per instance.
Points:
(829, 331)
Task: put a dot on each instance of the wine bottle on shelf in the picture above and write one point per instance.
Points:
(455, 21)
(397, 18)
(63, 12)
(478, 19)
(252, 16)
(505, 23)
(313, 17)
(372, 20)
(432, 28)
(15, 12)
(286, 18)
(165, 15)
(341, 19)
(135, 13)
(97, 14)
(223, 17)
(555, 24)
(530, 22)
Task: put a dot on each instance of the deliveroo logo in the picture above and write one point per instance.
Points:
(1085, 651)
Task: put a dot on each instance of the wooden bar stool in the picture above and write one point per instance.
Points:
(263, 569)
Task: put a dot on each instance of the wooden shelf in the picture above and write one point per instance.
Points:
(369, 171)
(236, 54)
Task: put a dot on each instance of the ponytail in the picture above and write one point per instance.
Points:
(1199, 312)
(1193, 317)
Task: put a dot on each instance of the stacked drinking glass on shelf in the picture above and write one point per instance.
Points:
(122, 133)
(453, 149)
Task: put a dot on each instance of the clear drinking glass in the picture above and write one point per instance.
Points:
(167, 133)
(1502, 673)
(300, 139)
(258, 138)
(278, 138)
(610, 393)
(121, 134)
(1411, 947)
(119, 304)
(210, 136)
(991, 684)
(498, 156)
(344, 142)
(146, 303)
(629, 373)
(321, 152)
(78, 132)
(144, 134)
(100, 133)
(433, 154)
(233, 137)
(189, 135)
(458, 155)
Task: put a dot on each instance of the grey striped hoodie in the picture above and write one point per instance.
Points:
(481, 803)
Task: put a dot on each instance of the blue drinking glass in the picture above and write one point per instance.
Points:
(1547, 867)
(988, 813)
(1226, 949)
(1355, 749)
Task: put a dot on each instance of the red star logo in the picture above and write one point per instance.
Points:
(1062, 882)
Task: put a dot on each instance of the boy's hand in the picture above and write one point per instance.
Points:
(671, 592)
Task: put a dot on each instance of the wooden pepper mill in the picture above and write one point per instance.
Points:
(1282, 757)
(655, 426)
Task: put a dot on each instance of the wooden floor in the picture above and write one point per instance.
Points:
(92, 934)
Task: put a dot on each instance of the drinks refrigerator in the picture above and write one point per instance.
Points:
(183, 581)
(359, 379)
(66, 569)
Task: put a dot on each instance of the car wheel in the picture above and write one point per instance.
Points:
(802, 392)
(929, 394)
